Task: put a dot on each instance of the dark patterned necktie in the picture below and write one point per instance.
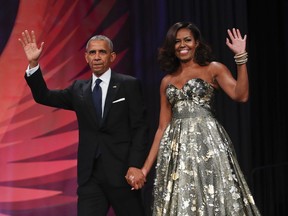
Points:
(97, 98)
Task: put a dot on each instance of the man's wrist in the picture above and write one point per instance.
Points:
(33, 64)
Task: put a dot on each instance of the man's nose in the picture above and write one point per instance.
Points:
(97, 56)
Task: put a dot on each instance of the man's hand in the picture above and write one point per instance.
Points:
(135, 178)
(31, 50)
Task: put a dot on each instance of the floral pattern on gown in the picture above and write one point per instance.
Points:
(197, 172)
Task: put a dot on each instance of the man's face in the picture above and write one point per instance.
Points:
(99, 56)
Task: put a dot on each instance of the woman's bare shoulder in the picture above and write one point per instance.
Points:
(216, 68)
(166, 80)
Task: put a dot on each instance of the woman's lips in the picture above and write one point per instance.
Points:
(183, 51)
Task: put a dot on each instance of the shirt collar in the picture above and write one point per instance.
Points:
(105, 77)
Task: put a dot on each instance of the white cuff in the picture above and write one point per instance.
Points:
(30, 71)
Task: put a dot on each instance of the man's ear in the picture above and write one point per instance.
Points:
(86, 57)
(113, 57)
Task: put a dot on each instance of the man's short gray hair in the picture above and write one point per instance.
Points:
(101, 37)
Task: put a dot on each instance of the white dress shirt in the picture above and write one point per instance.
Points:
(105, 77)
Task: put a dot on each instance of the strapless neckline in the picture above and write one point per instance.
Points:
(199, 79)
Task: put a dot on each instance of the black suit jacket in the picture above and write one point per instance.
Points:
(121, 137)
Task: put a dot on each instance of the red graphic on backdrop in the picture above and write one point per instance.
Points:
(38, 144)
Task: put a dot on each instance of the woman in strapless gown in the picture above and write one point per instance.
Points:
(197, 172)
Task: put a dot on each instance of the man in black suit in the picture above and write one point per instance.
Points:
(112, 146)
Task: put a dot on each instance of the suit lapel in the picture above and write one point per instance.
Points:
(111, 92)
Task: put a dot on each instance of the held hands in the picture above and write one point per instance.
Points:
(135, 178)
(236, 43)
(31, 50)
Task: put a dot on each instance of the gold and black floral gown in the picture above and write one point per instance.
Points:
(197, 172)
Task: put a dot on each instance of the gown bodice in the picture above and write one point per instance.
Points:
(194, 97)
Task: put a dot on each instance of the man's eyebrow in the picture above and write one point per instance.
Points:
(93, 50)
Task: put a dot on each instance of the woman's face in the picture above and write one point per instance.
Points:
(185, 45)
